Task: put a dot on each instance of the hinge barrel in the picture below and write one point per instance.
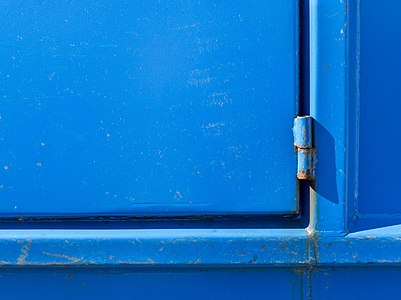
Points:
(304, 146)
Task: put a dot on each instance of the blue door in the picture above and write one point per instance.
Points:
(148, 107)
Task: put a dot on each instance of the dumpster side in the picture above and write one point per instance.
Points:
(147, 149)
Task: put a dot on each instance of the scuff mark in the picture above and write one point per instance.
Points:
(21, 260)
(213, 128)
(70, 258)
(199, 77)
(218, 99)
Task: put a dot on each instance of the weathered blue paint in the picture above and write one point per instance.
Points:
(327, 260)
(328, 107)
(376, 247)
(376, 80)
(303, 144)
(153, 108)
(305, 168)
(303, 132)
(336, 70)
(155, 247)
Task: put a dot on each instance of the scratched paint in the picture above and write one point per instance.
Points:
(303, 143)
(148, 108)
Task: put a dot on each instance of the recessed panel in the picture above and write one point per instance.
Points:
(147, 107)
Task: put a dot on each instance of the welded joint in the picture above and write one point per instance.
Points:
(303, 143)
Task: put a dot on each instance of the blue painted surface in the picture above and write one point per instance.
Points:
(303, 145)
(305, 164)
(155, 247)
(335, 257)
(355, 283)
(380, 73)
(328, 107)
(377, 199)
(303, 132)
(161, 284)
(148, 107)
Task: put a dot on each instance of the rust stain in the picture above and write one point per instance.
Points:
(305, 174)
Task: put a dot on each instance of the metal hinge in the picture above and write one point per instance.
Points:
(304, 146)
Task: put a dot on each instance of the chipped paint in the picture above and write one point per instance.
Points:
(21, 260)
(304, 145)
(204, 247)
(69, 258)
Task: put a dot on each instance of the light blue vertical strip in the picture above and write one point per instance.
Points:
(328, 84)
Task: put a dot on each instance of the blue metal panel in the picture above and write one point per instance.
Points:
(355, 283)
(336, 85)
(328, 107)
(322, 262)
(374, 83)
(168, 284)
(154, 247)
(379, 87)
(148, 107)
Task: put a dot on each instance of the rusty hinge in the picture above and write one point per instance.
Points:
(303, 143)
